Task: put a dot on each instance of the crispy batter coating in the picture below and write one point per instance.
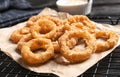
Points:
(82, 22)
(43, 28)
(37, 51)
(34, 19)
(108, 40)
(18, 34)
(56, 46)
(23, 40)
(68, 42)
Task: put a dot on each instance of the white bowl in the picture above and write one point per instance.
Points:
(75, 6)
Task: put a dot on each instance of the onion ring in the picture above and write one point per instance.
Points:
(75, 55)
(34, 19)
(43, 28)
(83, 21)
(18, 34)
(31, 57)
(110, 40)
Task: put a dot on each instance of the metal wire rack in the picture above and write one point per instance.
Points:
(107, 67)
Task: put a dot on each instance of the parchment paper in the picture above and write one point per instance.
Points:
(71, 70)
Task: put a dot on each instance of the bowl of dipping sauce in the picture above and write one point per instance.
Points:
(82, 7)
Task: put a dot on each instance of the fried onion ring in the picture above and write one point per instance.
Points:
(68, 42)
(108, 40)
(81, 18)
(37, 51)
(43, 28)
(18, 34)
(83, 21)
(34, 19)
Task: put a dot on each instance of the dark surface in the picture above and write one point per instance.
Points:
(104, 11)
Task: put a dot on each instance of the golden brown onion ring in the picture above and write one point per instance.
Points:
(81, 18)
(68, 42)
(18, 34)
(34, 19)
(37, 51)
(43, 28)
(108, 40)
(83, 22)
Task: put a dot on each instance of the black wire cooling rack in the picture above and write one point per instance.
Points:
(107, 67)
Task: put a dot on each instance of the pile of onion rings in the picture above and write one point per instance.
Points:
(45, 36)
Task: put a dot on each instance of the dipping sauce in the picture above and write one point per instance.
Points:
(75, 6)
(72, 2)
